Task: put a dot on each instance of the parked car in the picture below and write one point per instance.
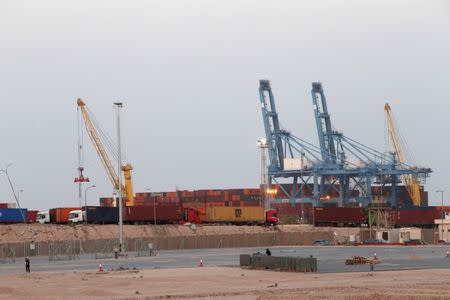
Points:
(322, 243)
(414, 242)
(373, 242)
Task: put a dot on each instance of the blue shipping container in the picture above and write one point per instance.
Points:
(13, 215)
(102, 215)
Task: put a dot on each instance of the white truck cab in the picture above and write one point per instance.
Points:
(43, 217)
(76, 216)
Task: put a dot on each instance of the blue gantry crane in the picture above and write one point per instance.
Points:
(338, 163)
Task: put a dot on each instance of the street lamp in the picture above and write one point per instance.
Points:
(85, 201)
(18, 193)
(16, 197)
(154, 208)
(442, 213)
(119, 106)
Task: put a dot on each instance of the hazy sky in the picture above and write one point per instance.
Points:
(188, 71)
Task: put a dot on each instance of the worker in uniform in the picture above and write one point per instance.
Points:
(27, 264)
(268, 252)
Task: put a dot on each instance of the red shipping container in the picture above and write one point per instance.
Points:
(417, 216)
(339, 215)
(31, 216)
(164, 214)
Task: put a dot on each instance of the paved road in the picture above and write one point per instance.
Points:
(330, 259)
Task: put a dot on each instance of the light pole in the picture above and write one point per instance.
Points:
(154, 209)
(262, 144)
(119, 105)
(18, 194)
(85, 202)
(442, 213)
(16, 197)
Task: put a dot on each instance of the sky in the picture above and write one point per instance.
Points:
(187, 73)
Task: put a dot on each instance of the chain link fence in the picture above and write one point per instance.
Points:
(147, 246)
(144, 247)
(107, 248)
(63, 250)
(7, 253)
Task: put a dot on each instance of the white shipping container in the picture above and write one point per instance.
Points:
(12, 205)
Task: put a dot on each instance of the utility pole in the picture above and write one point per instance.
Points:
(442, 214)
(119, 172)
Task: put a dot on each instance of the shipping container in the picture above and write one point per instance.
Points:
(60, 215)
(340, 216)
(107, 202)
(242, 215)
(420, 216)
(102, 215)
(286, 210)
(8, 205)
(13, 215)
(31, 216)
(165, 213)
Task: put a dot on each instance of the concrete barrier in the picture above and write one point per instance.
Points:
(265, 262)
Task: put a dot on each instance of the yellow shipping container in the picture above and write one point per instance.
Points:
(241, 214)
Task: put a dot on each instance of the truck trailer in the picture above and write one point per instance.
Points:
(243, 215)
(13, 215)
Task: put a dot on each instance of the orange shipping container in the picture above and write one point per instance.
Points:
(61, 214)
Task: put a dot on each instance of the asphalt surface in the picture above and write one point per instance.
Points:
(330, 259)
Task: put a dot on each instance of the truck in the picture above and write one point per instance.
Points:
(242, 215)
(43, 216)
(76, 216)
(131, 214)
(59, 215)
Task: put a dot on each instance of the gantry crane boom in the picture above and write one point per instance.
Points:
(95, 137)
(411, 181)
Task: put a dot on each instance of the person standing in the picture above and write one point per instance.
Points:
(268, 252)
(27, 264)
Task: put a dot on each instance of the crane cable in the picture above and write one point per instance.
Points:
(106, 139)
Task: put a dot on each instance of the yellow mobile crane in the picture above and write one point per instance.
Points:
(411, 181)
(99, 139)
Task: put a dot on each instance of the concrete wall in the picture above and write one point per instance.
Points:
(261, 261)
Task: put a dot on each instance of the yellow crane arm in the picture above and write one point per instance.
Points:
(127, 190)
(411, 182)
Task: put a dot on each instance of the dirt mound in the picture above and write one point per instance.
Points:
(50, 232)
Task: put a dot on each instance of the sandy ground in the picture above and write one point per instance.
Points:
(227, 283)
(17, 233)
